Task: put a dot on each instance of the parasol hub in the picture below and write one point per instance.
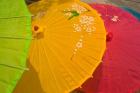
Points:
(36, 28)
(109, 36)
(38, 32)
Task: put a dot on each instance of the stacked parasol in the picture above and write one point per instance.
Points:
(62, 54)
(119, 71)
(15, 37)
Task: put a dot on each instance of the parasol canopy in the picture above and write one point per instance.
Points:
(95, 1)
(132, 11)
(119, 71)
(134, 4)
(69, 42)
(15, 37)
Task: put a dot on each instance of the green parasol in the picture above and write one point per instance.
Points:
(15, 37)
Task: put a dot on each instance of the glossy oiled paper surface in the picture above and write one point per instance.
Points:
(69, 42)
(119, 71)
(15, 36)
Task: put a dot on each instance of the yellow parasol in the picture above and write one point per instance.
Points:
(69, 42)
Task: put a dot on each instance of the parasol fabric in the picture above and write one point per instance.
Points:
(95, 1)
(15, 37)
(130, 5)
(120, 72)
(69, 42)
(134, 4)
(132, 11)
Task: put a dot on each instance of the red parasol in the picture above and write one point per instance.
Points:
(120, 70)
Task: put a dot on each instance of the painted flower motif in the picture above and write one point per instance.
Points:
(85, 24)
(90, 29)
(77, 28)
(79, 45)
(68, 14)
(115, 18)
(88, 20)
(74, 10)
(71, 14)
(78, 8)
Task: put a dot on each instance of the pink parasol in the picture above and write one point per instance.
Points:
(120, 70)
